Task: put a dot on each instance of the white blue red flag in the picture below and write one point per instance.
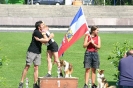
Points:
(78, 27)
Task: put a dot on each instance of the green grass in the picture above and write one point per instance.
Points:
(14, 46)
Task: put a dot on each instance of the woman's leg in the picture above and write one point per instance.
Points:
(56, 59)
(87, 71)
(93, 77)
(49, 61)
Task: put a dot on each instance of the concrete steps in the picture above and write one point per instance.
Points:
(63, 14)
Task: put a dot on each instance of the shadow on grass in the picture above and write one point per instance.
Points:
(112, 83)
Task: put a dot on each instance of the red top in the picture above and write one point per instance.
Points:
(91, 47)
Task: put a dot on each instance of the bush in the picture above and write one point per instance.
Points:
(3, 60)
(118, 53)
(2, 2)
(16, 1)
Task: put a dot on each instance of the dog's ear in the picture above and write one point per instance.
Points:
(102, 70)
(61, 61)
(98, 70)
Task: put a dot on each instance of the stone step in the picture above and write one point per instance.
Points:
(63, 14)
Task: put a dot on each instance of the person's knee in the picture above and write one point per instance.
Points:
(35, 68)
(49, 60)
(87, 70)
(93, 70)
(27, 67)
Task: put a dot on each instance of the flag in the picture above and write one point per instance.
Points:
(77, 28)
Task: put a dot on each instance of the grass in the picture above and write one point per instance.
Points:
(14, 46)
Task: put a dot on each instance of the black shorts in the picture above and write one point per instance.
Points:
(91, 60)
(53, 47)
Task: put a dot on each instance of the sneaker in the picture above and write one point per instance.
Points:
(35, 85)
(48, 75)
(85, 86)
(94, 86)
(20, 85)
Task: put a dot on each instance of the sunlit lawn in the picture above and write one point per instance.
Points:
(14, 46)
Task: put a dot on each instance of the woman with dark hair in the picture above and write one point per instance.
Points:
(91, 62)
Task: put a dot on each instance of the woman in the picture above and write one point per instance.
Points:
(92, 43)
(52, 50)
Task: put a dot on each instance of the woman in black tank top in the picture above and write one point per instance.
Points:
(52, 50)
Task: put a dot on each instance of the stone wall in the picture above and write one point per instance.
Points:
(62, 15)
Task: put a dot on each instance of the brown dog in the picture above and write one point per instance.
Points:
(67, 67)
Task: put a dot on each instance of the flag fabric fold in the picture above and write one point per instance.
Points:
(77, 29)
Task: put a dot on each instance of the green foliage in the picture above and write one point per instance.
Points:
(3, 60)
(99, 2)
(0, 62)
(16, 1)
(2, 1)
(111, 2)
(108, 2)
(118, 53)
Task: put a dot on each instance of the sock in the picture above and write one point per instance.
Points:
(58, 69)
(49, 72)
(86, 84)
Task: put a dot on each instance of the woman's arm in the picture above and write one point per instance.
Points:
(45, 39)
(86, 43)
(51, 36)
(99, 43)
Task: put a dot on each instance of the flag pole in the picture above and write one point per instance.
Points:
(86, 24)
(85, 18)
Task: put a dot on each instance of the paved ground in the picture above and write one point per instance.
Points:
(21, 29)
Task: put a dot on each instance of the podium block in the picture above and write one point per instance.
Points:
(58, 82)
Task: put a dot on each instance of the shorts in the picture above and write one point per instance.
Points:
(91, 60)
(53, 47)
(33, 58)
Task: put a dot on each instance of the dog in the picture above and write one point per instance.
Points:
(67, 67)
(102, 81)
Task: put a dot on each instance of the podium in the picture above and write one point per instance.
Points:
(58, 82)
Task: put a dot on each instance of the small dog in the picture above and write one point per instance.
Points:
(101, 79)
(102, 82)
(68, 68)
